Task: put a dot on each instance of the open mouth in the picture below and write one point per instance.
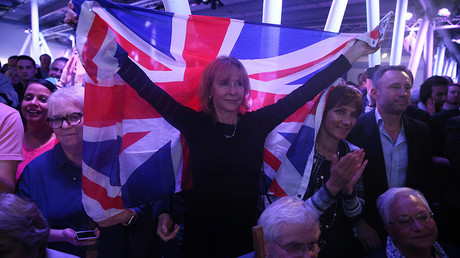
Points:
(34, 112)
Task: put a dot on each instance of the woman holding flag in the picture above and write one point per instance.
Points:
(226, 147)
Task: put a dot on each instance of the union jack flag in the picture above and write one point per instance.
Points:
(131, 154)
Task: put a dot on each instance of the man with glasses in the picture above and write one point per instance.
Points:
(409, 221)
(290, 230)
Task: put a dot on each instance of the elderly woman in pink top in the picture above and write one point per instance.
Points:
(38, 135)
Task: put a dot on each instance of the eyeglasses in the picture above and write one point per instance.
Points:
(72, 119)
(299, 249)
(406, 221)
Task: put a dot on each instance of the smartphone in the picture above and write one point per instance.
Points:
(86, 234)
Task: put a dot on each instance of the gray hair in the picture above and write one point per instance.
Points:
(21, 220)
(387, 199)
(74, 94)
(287, 210)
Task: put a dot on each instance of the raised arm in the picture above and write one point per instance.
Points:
(175, 113)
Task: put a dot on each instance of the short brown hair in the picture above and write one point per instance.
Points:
(343, 95)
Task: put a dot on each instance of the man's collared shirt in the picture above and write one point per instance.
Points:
(394, 153)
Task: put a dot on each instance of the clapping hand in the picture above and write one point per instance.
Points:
(345, 172)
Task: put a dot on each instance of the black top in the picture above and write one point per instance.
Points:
(226, 171)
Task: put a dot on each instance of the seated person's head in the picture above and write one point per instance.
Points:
(23, 230)
(408, 219)
(290, 230)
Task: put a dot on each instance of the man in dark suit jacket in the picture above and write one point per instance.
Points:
(395, 145)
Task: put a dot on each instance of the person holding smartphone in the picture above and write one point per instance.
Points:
(53, 181)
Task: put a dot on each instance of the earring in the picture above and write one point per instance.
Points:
(210, 97)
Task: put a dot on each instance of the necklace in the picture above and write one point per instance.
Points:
(233, 134)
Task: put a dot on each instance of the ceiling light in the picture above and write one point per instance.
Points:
(444, 12)
(409, 16)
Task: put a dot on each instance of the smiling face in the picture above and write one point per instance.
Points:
(339, 121)
(34, 107)
(228, 93)
(56, 68)
(392, 94)
(70, 137)
(419, 235)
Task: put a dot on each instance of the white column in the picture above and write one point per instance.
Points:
(44, 45)
(177, 6)
(440, 62)
(25, 44)
(436, 60)
(398, 32)
(417, 52)
(35, 47)
(454, 72)
(335, 17)
(373, 18)
(272, 10)
(448, 67)
(428, 53)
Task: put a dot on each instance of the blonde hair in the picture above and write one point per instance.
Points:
(221, 68)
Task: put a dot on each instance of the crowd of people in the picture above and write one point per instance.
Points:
(384, 179)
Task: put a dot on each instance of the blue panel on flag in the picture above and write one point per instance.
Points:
(103, 157)
(302, 145)
(153, 26)
(153, 180)
(256, 41)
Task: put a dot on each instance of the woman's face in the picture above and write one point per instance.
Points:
(228, 94)
(34, 107)
(70, 136)
(340, 120)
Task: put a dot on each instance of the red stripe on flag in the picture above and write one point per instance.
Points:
(186, 178)
(205, 35)
(99, 193)
(268, 76)
(131, 138)
(105, 106)
(96, 36)
(271, 160)
(138, 55)
(276, 189)
(270, 98)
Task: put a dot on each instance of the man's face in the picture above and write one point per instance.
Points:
(393, 91)
(453, 95)
(45, 61)
(438, 95)
(12, 62)
(417, 235)
(26, 70)
(56, 69)
(293, 237)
